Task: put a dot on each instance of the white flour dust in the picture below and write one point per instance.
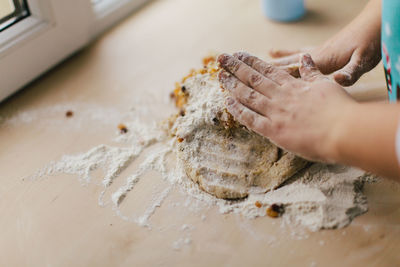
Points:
(49, 117)
(322, 196)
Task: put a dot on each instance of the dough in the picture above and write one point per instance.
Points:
(226, 159)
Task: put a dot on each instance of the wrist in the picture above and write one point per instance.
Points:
(342, 123)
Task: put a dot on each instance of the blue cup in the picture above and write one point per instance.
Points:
(283, 10)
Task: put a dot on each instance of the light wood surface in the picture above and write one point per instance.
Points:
(56, 221)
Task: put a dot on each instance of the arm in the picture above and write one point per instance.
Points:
(366, 138)
(312, 116)
(349, 54)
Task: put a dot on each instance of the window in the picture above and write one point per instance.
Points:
(12, 11)
(37, 34)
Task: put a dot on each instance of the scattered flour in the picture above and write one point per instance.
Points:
(181, 242)
(323, 196)
(49, 117)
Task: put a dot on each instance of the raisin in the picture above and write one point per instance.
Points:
(69, 114)
(183, 88)
(275, 210)
(180, 139)
(258, 204)
(122, 128)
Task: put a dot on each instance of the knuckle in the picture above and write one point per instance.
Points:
(261, 106)
(223, 75)
(255, 80)
(264, 103)
(250, 121)
(234, 109)
(260, 126)
(266, 68)
(233, 65)
(251, 98)
(249, 60)
(252, 95)
(243, 56)
(239, 110)
(229, 82)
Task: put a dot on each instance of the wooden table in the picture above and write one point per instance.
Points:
(55, 221)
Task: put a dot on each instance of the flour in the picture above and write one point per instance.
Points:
(178, 244)
(321, 197)
(116, 158)
(144, 219)
(204, 106)
(54, 117)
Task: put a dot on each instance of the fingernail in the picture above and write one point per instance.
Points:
(230, 101)
(241, 55)
(307, 61)
(223, 59)
(343, 78)
(274, 52)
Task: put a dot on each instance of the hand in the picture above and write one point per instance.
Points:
(300, 115)
(349, 54)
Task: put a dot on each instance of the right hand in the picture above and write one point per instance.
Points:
(266, 100)
(349, 54)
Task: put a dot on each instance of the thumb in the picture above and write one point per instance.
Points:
(308, 70)
(285, 61)
(350, 73)
(279, 53)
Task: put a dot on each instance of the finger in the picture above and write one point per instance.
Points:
(271, 72)
(247, 75)
(226, 81)
(284, 61)
(255, 81)
(279, 53)
(350, 73)
(247, 96)
(248, 117)
(308, 70)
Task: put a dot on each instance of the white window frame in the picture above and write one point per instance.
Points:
(54, 30)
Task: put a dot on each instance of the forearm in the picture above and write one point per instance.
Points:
(372, 10)
(365, 137)
(368, 22)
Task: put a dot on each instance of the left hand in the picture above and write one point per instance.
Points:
(299, 115)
